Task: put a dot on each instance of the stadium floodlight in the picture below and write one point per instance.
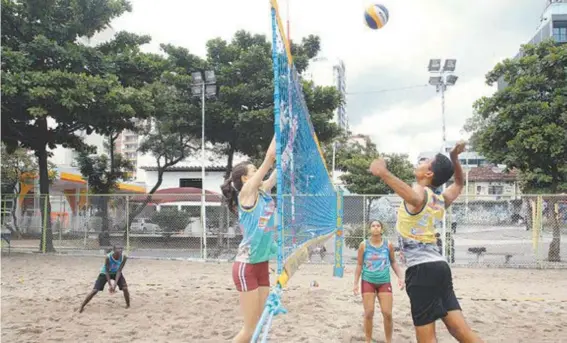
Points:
(210, 76)
(196, 91)
(450, 65)
(451, 80)
(435, 80)
(210, 90)
(434, 65)
(197, 78)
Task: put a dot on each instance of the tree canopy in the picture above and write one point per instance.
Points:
(353, 159)
(242, 118)
(54, 87)
(524, 125)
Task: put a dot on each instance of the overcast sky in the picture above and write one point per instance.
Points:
(478, 33)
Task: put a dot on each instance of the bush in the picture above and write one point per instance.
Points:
(171, 220)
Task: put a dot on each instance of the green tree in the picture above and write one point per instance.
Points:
(357, 160)
(524, 125)
(103, 177)
(16, 166)
(48, 74)
(354, 159)
(242, 119)
(170, 139)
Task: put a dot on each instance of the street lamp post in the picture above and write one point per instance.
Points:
(203, 88)
(467, 170)
(442, 78)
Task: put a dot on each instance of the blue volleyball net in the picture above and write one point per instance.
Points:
(306, 213)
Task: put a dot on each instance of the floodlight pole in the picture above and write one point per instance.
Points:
(203, 161)
(442, 87)
(204, 82)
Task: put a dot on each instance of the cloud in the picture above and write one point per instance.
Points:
(478, 33)
(415, 127)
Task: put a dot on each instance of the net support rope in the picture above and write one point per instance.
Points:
(272, 308)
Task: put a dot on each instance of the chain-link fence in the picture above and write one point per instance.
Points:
(525, 230)
(162, 225)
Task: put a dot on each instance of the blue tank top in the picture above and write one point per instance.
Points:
(376, 263)
(114, 264)
(257, 226)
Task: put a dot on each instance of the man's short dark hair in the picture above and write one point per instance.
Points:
(442, 169)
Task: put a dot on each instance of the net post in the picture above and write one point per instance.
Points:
(338, 266)
(277, 133)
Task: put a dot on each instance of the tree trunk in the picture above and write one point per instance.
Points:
(15, 215)
(529, 220)
(44, 200)
(553, 254)
(105, 197)
(148, 199)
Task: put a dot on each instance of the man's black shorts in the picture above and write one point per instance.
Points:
(430, 290)
(101, 281)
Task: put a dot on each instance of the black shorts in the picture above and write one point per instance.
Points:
(430, 290)
(101, 281)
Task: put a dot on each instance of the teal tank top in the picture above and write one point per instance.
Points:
(376, 263)
(257, 226)
(114, 264)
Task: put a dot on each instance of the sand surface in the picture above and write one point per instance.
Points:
(176, 301)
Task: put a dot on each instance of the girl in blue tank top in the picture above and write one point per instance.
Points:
(248, 196)
(375, 258)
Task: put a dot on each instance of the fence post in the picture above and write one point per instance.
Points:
(127, 224)
(537, 223)
(339, 268)
(63, 200)
(364, 215)
(204, 222)
(88, 221)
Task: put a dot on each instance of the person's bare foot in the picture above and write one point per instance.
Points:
(81, 309)
(127, 306)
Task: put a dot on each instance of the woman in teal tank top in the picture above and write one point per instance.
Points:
(375, 258)
(248, 195)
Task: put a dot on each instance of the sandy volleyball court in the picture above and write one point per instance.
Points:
(175, 301)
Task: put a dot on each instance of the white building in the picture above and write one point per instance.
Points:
(187, 173)
(553, 24)
(330, 72)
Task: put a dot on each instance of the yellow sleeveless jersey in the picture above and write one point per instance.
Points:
(417, 231)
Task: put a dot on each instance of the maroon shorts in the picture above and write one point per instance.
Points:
(367, 287)
(248, 277)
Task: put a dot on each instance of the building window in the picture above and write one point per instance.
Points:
(495, 190)
(560, 31)
(195, 183)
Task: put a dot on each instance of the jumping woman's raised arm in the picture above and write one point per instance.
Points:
(249, 190)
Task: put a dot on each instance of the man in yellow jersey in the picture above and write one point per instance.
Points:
(429, 283)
